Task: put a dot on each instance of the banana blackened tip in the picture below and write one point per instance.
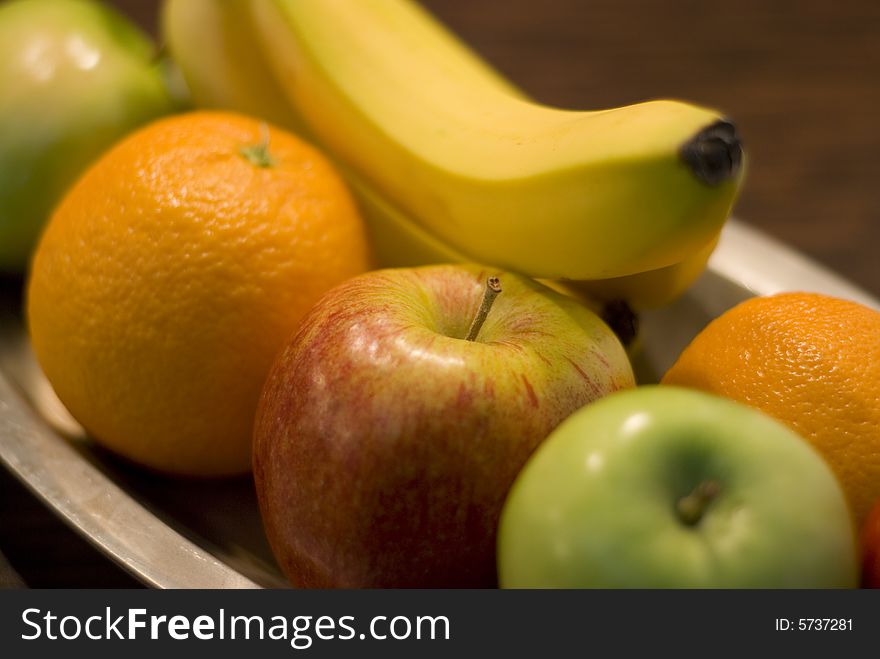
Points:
(714, 154)
(622, 320)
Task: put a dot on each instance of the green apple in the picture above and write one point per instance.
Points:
(386, 439)
(75, 76)
(661, 487)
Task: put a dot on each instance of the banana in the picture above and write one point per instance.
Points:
(650, 289)
(213, 43)
(397, 241)
(551, 193)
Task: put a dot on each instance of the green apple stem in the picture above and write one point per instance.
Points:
(258, 154)
(692, 507)
(493, 288)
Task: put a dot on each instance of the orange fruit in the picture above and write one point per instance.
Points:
(171, 274)
(811, 361)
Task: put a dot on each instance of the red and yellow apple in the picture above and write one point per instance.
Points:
(386, 441)
(870, 540)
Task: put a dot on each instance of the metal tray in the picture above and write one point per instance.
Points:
(207, 534)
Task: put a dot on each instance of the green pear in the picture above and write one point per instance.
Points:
(75, 76)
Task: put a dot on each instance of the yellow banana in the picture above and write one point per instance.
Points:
(399, 242)
(650, 289)
(551, 193)
(213, 42)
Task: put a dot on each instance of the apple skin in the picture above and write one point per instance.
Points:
(596, 505)
(75, 76)
(870, 540)
(384, 444)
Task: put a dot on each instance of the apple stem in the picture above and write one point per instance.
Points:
(493, 288)
(258, 154)
(692, 507)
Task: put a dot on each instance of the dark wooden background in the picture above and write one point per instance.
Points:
(800, 77)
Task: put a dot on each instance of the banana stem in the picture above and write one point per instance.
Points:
(493, 288)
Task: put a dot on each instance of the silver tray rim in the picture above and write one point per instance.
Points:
(102, 512)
